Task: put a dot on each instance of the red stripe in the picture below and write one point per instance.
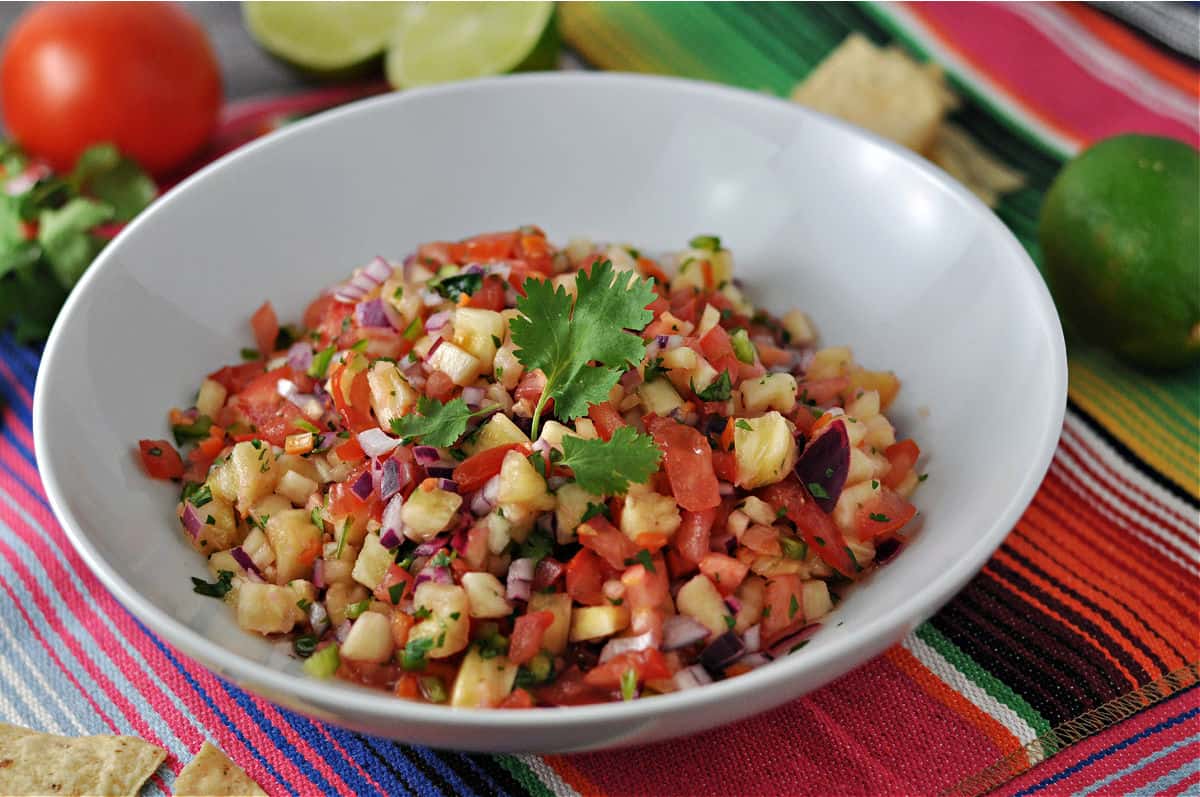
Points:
(11, 378)
(1018, 57)
(1077, 442)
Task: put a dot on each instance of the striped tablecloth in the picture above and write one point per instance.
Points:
(1066, 666)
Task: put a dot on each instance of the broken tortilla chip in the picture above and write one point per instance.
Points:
(212, 774)
(43, 763)
(964, 160)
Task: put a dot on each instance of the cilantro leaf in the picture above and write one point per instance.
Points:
(720, 390)
(215, 589)
(437, 424)
(102, 173)
(608, 467)
(562, 338)
(66, 240)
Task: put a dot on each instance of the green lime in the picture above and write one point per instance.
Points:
(1120, 232)
(440, 42)
(321, 37)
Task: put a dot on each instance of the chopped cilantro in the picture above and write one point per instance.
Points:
(711, 243)
(595, 510)
(413, 656)
(249, 355)
(793, 607)
(793, 548)
(216, 589)
(878, 518)
(744, 424)
(817, 490)
(730, 621)
(201, 496)
(191, 432)
(305, 645)
(537, 546)
(396, 592)
(654, 369)
(719, 390)
(644, 559)
(459, 284)
(355, 610)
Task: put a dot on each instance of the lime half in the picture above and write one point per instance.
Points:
(440, 42)
(321, 36)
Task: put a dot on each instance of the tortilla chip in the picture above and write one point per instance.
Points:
(42, 763)
(881, 89)
(963, 159)
(211, 773)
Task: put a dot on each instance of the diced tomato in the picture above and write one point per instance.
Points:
(517, 698)
(569, 689)
(202, 456)
(434, 254)
(439, 386)
(336, 324)
(407, 686)
(725, 465)
(160, 459)
(519, 272)
(692, 537)
(260, 404)
(818, 529)
(485, 248)
(724, 571)
(783, 605)
(585, 578)
(535, 250)
(658, 307)
(395, 576)
(265, 324)
(822, 391)
(718, 350)
(402, 623)
(686, 304)
(609, 542)
(649, 268)
(547, 572)
(770, 355)
(234, 378)
(644, 588)
(491, 294)
(476, 470)
(647, 664)
(606, 418)
(526, 639)
(376, 676)
(903, 456)
(349, 451)
(688, 460)
(762, 539)
(351, 393)
(884, 514)
(316, 310)
(531, 386)
(343, 503)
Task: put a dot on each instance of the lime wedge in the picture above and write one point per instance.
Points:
(321, 36)
(439, 42)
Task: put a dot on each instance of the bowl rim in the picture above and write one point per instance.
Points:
(361, 701)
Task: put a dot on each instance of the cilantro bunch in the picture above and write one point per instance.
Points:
(49, 228)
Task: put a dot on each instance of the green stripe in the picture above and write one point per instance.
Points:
(524, 775)
(982, 678)
(1183, 387)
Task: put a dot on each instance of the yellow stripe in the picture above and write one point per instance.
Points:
(672, 56)
(1123, 379)
(1117, 383)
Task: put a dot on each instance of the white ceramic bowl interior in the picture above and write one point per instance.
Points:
(885, 253)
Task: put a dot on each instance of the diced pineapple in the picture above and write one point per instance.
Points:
(674, 325)
(769, 566)
(485, 596)
(659, 397)
(690, 271)
(499, 532)
(816, 600)
(223, 560)
(850, 501)
(341, 595)
(568, 282)
(222, 480)
(880, 433)
(482, 683)
(304, 590)
(255, 472)
(521, 485)
(460, 365)
(558, 603)
(829, 363)
(219, 527)
(211, 398)
(683, 358)
(708, 319)
(498, 431)
(799, 328)
(863, 466)
(573, 501)
(372, 563)
(585, 429)
(391, 395)
(579, 250)
(620, 258)
(553, 433)
(862, 551)
(701, 377)
(424, 345)
(296, 488)
(750, 594)
(758, 511)
(296, 542)
(908, 484)
(448, 624)
(885, 382)
(741, 305)
(262, 509)
(700, 600)
(648, 512)
(766, 451)
(370, 639)
(864, 406)
(259, 549)
(404, 298)
(339, 569)
(477, 331)
(506, 367)
(596, 622)
(428, 512)
(769, 392)
(267, 608)
(856, 430)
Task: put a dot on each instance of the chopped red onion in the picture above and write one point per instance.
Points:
(554, 482)
(491, 490)
(342, 631)
(438, 575)
(784, 646)
(672, 341)
(449, 485)
(242, 558)
(430, 298)
(391, 515)
(327, 440)
(725, 488)
(373, 315)
(389, 480)
(363, 486)
(390, 539)
(376, 442)
(192, 521)
(431, 547)
(733, 603)
(318, 574)
(438, 321)
(318, 617)
(521, 569)
(679, 631)
(473, 396)
(548, 571)
(458, 540)
(300, 356)
(479, 505)
(626, 644)
(631, 379)
(518, 590)
(426, 455)
(548, 523)
(442, 470)
(348, 294)
(378, 270)
(661, 341)
(722, 651)
(752, 636)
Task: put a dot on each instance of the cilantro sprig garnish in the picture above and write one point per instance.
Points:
(563, 338)
(434, 423)
(609, 467)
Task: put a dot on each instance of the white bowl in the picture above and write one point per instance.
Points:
(886, 253)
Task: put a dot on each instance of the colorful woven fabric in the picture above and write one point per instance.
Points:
(1076, 647)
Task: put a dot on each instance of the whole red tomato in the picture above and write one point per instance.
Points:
(140, 75)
